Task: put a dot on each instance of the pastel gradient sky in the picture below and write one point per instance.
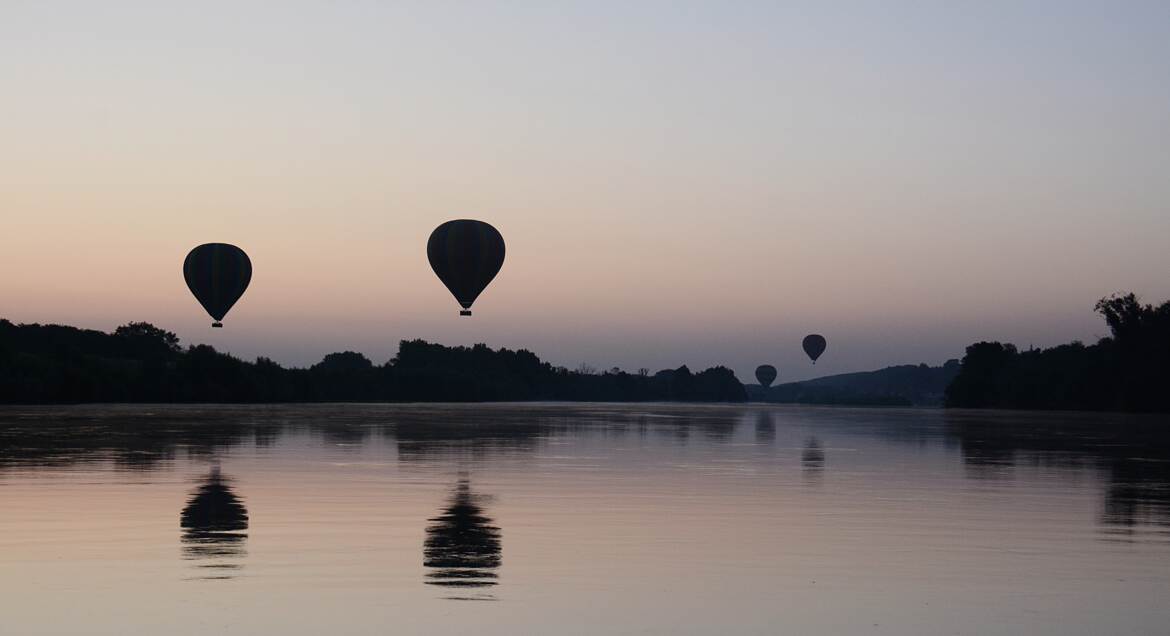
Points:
(677, 182)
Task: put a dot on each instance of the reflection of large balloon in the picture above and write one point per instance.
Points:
(814, 346)
(214, 524)
(466, 255)
(214, 508)
(217, 274)
(765, 374)
(462, 545)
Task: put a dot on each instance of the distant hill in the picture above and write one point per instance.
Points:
(903, 385)
(138, 362)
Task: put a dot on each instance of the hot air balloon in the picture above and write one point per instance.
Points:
(814, 345)
(217, 274)
(765, 375)
(466, 255)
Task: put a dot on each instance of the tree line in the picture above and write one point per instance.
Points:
(1129, 370)
(138, 362)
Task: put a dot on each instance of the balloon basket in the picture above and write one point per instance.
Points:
(217, 325)
(465, 312)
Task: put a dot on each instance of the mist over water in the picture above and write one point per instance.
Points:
(581, 519)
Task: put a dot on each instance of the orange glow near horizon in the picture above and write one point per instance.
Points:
(700, 192)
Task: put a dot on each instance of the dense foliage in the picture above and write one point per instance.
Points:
(1127, 371)
(142, 363)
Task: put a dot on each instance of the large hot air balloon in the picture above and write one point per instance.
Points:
(814, 346)
(217, 274)
(466, 255)
(765, 375)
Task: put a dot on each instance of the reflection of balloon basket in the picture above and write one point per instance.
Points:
(217, 325)
(464, 312)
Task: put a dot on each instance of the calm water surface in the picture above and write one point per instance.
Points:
(580, 519)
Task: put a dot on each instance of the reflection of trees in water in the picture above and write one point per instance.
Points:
(1132, 453)
(1138, 493)
(462, 546)
(344, 434)
(720, 428)
(213, 523)
(765, 428)
(133, 438)
(812, 457)
(422, 439)
(153, 437)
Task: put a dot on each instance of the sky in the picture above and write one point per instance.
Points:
(677, 183)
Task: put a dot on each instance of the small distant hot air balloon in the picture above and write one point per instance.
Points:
(814, 345)
(466, 255)
(217, 274)
(765, 375)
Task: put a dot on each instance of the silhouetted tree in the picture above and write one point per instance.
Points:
(142, 363)
(1128, 371)
(147, 333)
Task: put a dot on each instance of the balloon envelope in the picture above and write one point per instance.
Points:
(217, 274)
(814, 345)
(765, 374)
(466, 255)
